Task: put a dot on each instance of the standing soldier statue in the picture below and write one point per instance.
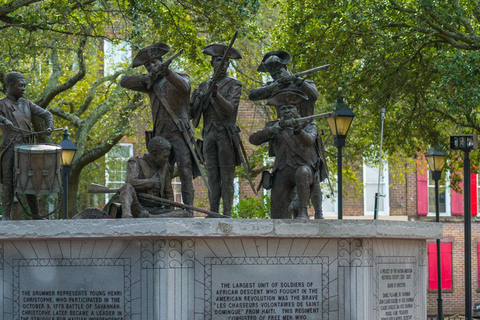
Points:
(169, 93)
(217, 99)
(15, 117)
(275, 63)
(296, 158)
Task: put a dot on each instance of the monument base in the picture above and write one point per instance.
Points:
(214, 269)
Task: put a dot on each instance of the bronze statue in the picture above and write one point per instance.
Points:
(149, 174)
(221, 142)
(296, 158)
(275, 63)
(169, 93)
(15, 117)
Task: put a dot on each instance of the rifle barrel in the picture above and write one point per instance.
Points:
(306, 72)
(316, 116)
(169, 60)
(216, 74)
(179, 205)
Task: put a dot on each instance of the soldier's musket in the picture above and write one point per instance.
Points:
(297, 75)
(216, 75)
(234, 136)
(164, 65)
(304, 120)
(98, 188)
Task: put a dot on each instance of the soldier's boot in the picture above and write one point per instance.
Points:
(32, 201)
(215, 191)
(228, 190)
(302, 213)
(305, 178)
(129, 202)
(227, 208)
(187, 198)
(316, 198)
(7, 201)
(144, 214)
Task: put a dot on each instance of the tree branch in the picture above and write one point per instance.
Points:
(15, 5)
(116, 134)
(91, 94)
(464, 21)
(76, 121)
(54, 89)
(398, 7)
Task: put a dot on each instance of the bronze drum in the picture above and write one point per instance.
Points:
(37, 168)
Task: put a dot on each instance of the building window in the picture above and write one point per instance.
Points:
(115, 53)
(236, 191)
(177, 190)
(443, 196)
(372, 186)
(446, 269)
(329, 200)
(450, 202)
(116, 165)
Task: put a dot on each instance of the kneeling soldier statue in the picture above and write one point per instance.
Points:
(296, 157)
(149, 174)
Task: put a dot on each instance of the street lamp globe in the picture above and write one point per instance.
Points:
(341, 120)
(68, 149)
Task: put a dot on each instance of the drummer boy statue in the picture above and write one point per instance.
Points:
(15, 118)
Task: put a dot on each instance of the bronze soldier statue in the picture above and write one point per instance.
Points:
(275, 63)
(219, 109)
(149, 174)
(296, 157)
(169, 93)
(15, 117)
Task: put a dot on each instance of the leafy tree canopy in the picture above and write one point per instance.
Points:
(418, 59)
(58, 46)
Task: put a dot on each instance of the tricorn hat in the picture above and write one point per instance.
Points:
(149, 53)
(274, 60)
(287, 96)
(218, 50)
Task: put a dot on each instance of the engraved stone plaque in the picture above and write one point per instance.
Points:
(266, 288)
(81, 289)
(396, 288)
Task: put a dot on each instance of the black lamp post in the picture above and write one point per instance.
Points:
(68, 152)
(436, 162)
(466, 143)
(339, 124)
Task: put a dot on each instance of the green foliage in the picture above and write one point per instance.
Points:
(58, 45)
(418, 59)
(252, 208)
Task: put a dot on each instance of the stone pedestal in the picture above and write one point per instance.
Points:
(214, 269)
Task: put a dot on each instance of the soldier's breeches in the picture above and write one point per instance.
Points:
(304, 177)
(7, 182)
(284, 182)
(220, 158)
(128, 198)
(182, 157)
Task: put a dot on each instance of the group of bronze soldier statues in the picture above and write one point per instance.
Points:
(299, 167)
(296, 145)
